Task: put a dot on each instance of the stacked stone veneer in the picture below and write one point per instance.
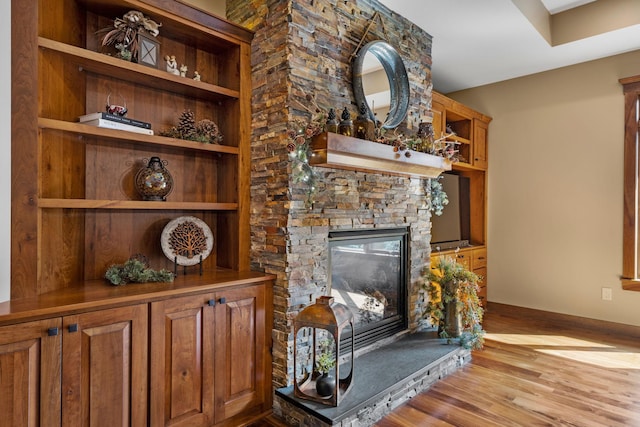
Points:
(305, 48)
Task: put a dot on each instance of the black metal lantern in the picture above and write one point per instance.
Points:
(316, 351)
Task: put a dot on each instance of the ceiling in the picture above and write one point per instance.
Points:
(477, 42)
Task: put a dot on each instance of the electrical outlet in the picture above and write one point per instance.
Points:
(606, 294)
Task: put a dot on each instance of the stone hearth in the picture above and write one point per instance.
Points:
(419, 360)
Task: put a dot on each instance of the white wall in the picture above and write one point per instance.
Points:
(555, 189)
(5, 153)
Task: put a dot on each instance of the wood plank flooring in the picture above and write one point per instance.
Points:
(535, 373)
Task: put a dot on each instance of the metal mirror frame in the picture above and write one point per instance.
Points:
(398, 81)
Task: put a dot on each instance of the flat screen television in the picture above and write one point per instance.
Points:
(452, 229)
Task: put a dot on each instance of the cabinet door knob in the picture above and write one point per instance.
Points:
(73, 327)
(223, 300)
(211, 302)
(52, 332)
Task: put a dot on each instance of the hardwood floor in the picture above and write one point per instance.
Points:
(535, 373)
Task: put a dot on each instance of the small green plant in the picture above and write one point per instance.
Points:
(325, 358)
(135, 270)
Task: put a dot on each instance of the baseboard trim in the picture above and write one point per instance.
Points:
(559, 319)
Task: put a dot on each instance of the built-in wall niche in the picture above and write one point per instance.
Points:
(460, 125)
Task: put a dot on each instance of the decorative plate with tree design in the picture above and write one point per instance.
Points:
(187, 240)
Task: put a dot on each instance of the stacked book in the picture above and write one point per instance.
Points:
(112, 121)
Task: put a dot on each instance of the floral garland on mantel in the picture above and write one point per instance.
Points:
(300, 134)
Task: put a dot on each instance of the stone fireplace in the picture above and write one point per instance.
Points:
(303, 49)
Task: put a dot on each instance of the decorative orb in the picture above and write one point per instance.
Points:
(154, 182)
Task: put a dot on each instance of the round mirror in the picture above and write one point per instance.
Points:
(369, 89)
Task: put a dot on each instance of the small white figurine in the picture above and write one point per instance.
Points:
(183, 70)
(196, 76)
(172, 65)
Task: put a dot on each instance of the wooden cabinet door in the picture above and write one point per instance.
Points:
(30, 373)
(182, 352)
(104, 365)
(479, 258)
(480, 154)
(241, 349)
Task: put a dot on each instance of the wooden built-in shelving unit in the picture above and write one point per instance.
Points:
(471, 135)
(82, 213)
(192, 352)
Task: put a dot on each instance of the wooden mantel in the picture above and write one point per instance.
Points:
(337, 151)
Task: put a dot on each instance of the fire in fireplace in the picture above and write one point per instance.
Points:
(368, 274)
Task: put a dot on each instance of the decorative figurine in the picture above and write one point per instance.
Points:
(196, 76)
(346, 125)
(332, 122)
(183, 70)
(172, 65)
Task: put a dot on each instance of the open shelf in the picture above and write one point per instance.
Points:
(114, 134)
(135, 73)
(133, 204)
(344, 152)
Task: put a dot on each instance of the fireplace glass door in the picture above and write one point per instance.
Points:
(368, 275)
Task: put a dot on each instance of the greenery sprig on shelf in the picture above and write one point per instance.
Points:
(136, 270)
(423, 141)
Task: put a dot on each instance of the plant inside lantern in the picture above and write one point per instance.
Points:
(325, 362)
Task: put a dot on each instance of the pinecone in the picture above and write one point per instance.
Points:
(187, 125)
(208, 131)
